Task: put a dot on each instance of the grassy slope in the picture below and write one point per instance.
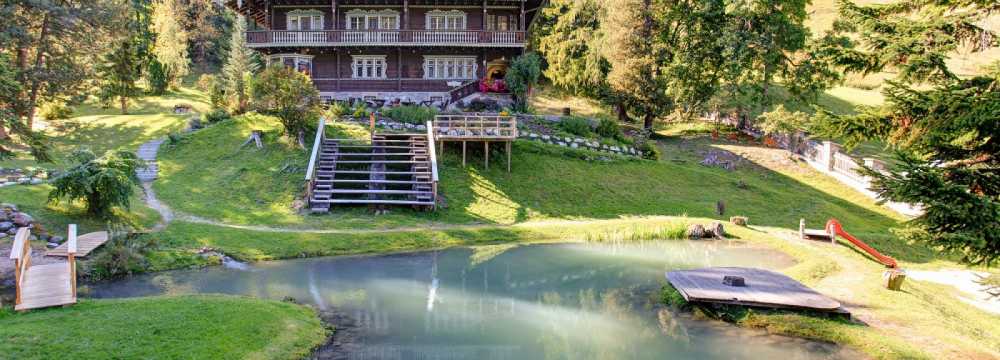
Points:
(195, 327)
(257, 187)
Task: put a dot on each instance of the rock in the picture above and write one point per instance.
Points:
(422, 127)
(6, 225)
(578, 140)
(8, 207)
(22, 219)
(738, 220)
(533, 136)
(562, 143)
(35, 181)
(32, 238)
(695, 231)
(453, 132)
(12, 231)
(24, 180)
(546, 137)
(574, 145)
(57, 239)
(716, 229)
(52, 244)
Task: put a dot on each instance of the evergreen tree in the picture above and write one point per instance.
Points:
(571, 46)
(171, 46)
(947, 135)
(239, 67)
(121, 70)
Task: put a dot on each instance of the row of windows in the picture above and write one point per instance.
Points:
(389, 20)
(374, 66)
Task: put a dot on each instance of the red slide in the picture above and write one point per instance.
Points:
(834, 225)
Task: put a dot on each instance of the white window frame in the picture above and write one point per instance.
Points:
(365, 18)
(446, 20)
(316, 20)
(297, 59)
(450, 67)
(369, 67)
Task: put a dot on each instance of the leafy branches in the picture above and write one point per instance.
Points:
(289, 95)
(102, 183)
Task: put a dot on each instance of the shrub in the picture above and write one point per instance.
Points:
(157, 77)
(522, 75)
(102, 183)
(174, 137)
(575, 125)
(194, 123)
(335, 111)
(55, 110)
(205, 82)
(123, 254)
(609, 128)
(217, 115)
(360, 111)
(478, 105)
(649, 150)
(290, 96)
(412, 114)
(217, 94)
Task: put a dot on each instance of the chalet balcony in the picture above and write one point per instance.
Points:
(315, 38)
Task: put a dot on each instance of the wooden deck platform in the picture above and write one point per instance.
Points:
(85, 244)
(763, 288)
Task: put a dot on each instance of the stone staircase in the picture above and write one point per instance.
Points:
(147, 152)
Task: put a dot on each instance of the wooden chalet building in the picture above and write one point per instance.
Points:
(384, 50)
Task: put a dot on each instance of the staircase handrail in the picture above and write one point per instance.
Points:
(433, 156)
(317, 143)
(20, 252)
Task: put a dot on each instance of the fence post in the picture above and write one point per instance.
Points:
(829, 149)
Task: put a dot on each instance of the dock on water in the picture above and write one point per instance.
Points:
(749, 287)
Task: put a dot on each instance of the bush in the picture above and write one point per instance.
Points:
(174, 138)
(335, 111)
(609, 128)
(522, 75)
(103, 183)
(360, 111)
(123, 254)
(157, 77)
(194, 123)
(217, 115)
(575, 125)
(205, 82)
(412, 114)
(55, 110)
(479, 105)
(290, 96)
(649, 150)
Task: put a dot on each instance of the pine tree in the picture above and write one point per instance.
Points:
(240, 66)
(121, 70)
(171, 46)
(947, 136)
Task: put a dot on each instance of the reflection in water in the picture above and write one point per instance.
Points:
(564, 301)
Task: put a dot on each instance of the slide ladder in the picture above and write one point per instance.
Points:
(833, 226)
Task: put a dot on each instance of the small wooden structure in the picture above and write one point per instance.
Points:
(86, 243)
(43, 285)
(748, 287)
(476, 128)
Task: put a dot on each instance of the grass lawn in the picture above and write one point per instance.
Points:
(188, 327)
(246, 186)
(102, 129)
(55, 216)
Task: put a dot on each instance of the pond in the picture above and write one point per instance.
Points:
(544, 301)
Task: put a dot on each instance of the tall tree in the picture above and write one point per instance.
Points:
(523, 74)
(121, 70)
(49, 46)
(944, 127)
(208, 24)
(171, 46)
(288, 94)
(240, 66)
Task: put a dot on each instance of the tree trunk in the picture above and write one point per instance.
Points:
(622, 113)
(124, 102)
(35, 82)
(647, 121)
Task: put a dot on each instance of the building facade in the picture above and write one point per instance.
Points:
(407, 50)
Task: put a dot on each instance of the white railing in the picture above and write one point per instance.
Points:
(505, 37)
(299, 37)
(465, 37)
(433, 156)
(846, 165)
(370, 37)
(317, 143)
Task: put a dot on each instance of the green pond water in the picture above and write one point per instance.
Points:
(551, 301)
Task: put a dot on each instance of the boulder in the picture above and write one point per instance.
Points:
(22, 219)
(738, 220)
(695, 231)
(6, 225)
(574, 145)
(8, 207)
(12, 231)
(716, 229)
(57, 239)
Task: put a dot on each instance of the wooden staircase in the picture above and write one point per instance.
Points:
(390, 169)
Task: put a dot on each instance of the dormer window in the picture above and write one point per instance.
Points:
(445, 20)
(304, 20)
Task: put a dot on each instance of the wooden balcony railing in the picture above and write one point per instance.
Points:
(384, 37)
